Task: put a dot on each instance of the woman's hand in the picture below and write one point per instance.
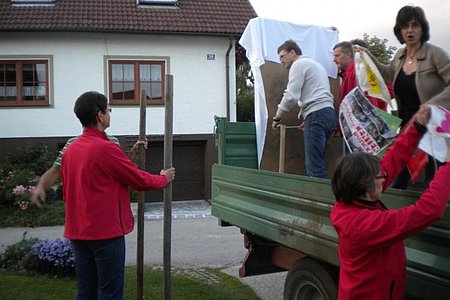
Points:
(423, 115)
(358, 48)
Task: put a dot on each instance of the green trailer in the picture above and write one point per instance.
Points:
(285, 222)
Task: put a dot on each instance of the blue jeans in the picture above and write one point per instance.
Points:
(319, 126)
(99, 266)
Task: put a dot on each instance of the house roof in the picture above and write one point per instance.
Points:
(211, 17)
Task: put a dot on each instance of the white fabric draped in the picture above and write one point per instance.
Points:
(261, 39)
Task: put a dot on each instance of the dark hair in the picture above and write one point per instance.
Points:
(87, 107)
(407, 14)
(359, 42)
(354, 176)
(290, 45)
(346, 47)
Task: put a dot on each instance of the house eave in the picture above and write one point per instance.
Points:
(118, 31)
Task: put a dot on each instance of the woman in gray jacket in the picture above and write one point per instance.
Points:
(420, 72)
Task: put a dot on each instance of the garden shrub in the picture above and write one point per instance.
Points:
(48, 215)
(51, 257)
(15, 186)
(14, 255)
(36, 159)
(20, 172)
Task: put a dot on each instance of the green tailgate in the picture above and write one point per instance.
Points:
(292, 210)
(236, 143)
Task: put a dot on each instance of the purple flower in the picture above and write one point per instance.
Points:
(56, 251)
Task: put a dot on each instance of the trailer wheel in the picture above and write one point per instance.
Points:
(310, 280)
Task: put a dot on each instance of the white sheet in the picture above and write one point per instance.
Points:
(261, 39)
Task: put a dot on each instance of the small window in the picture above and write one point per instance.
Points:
(157, 2)
(127, 78)
(32, 1)
(24, 83)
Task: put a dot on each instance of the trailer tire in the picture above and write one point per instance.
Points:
(309, 279)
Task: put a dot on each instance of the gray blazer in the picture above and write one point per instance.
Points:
(432, 75)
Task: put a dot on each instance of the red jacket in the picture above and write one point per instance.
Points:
(349, 82)
(96, 175)
(371, 249)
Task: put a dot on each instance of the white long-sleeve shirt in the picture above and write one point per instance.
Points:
(308, 86)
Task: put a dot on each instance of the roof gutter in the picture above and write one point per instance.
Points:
(227, 74)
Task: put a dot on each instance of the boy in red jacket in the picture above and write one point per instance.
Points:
(96, 174)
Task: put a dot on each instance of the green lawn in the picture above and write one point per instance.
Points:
(186, 284)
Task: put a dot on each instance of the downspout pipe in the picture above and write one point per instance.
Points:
(227, 70)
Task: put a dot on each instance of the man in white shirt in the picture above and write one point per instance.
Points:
(309, 88)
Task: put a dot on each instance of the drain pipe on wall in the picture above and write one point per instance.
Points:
(227, 70)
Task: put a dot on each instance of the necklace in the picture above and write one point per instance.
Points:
(412, 57)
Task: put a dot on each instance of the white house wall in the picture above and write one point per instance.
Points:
(78, 64)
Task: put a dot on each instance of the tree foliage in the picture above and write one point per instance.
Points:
(245, 95)
(379, 48)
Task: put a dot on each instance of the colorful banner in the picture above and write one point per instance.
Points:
(369, 78)
(364, 127)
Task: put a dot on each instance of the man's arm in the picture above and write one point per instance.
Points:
(136, 148)
(49, 178)
(292, 94)
(45, 182)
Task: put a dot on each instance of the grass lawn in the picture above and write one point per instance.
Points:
(186, 284)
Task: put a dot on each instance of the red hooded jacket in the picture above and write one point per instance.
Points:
(371, 249)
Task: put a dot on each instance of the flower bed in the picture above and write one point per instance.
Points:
(51, 256)
(55, 257)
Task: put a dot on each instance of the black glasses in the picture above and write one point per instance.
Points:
(413, 25)
(384, 176)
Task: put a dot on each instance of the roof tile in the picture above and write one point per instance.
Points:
(217, 17)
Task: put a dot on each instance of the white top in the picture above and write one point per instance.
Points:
(308, 87)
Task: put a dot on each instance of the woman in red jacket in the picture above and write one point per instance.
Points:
(371, 249)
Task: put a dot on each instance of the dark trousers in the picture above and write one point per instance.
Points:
(99, 267)
(319, 126)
